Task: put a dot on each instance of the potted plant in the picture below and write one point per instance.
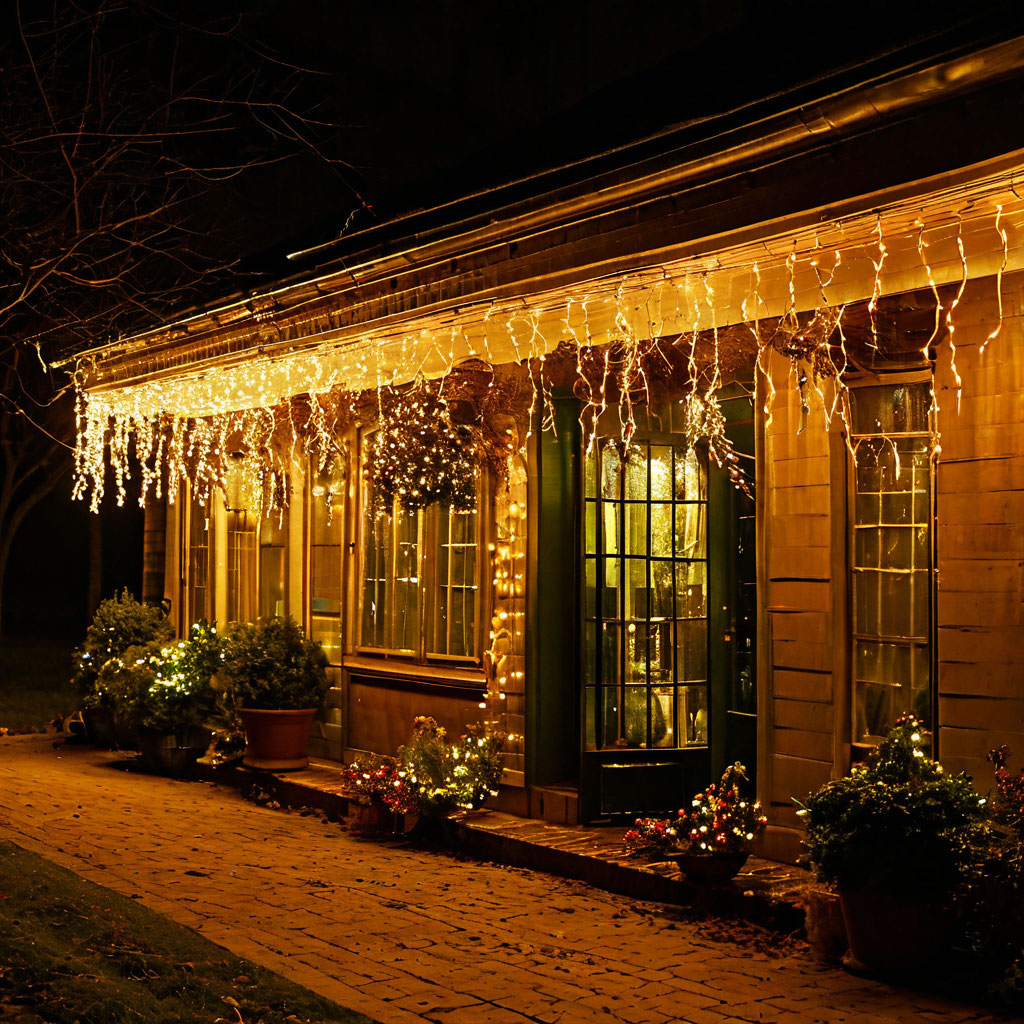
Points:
(164, 693)
(378, 791)
(120, 623)
(720, 829)
(448, 776)
(276, 679)
(991, 901)
(711, 840)
(894, 838)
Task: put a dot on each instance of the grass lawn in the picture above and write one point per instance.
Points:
(74, 951)
(35, 683)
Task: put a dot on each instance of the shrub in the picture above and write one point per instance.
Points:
(164, 686)
(271, 665)
(991, 901)
(450, 776)
(896, 821)
(120, 623)
(722, 819)
(123, 682)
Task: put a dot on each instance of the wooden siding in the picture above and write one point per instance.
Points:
(980, 542)
(799, 722)
(979, 609)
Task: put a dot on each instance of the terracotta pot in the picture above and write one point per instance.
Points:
(710, 868)
(893, 934)
(276, 740)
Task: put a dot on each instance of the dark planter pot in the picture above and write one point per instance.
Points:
(892, 934)
(710, 868)
(126, 737)
(99, 727)
(172, 753)
(431, 831)
(374, 818)
(276, 740)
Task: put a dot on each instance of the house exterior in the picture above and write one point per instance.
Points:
(739, 417)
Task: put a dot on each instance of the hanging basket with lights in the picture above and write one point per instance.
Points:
(419, 457)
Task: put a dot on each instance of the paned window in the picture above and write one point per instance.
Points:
(326, 530)
(891, 556)
(199, 588)
(421, 585)
(241, 550)
(456, 586)
(646, 608)
(273, 533)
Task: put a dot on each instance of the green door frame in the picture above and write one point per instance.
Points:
(553, 666)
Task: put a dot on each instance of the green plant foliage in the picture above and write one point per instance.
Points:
(165, 686)
(991, 901)
(271, 665)
(379, 777)
(120, 622)
(897, 821)
(449, 776)
(720, 820)
(123, 682)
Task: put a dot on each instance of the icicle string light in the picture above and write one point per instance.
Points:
(999, 278)
(182, 423)
(950, 324)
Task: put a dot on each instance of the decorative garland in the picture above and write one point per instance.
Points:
(419, 457)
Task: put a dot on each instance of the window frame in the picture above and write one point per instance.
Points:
(257, 526)
(427, 559)
(865, 380)
(189, 505)
(343, 547)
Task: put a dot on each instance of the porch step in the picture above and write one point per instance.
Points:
(767, 893)
(557, 804)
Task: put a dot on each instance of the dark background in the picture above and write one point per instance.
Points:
(433, 102)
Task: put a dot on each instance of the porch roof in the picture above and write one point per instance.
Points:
(729, 223)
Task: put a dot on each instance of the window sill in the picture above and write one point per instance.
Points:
(389, 668)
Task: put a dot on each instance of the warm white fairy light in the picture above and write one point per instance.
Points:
(876, 288)
(950, 324)
(180, 424)
(999, 277)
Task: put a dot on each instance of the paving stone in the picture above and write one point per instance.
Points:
(406, 935)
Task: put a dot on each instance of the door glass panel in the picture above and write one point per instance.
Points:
(693, 716)
(646, 610)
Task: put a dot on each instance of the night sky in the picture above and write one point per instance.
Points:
(432, 102)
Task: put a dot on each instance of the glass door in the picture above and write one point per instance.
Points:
(646, 608)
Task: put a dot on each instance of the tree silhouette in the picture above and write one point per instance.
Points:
(132, 143)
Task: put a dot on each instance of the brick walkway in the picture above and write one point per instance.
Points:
(404, 935)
